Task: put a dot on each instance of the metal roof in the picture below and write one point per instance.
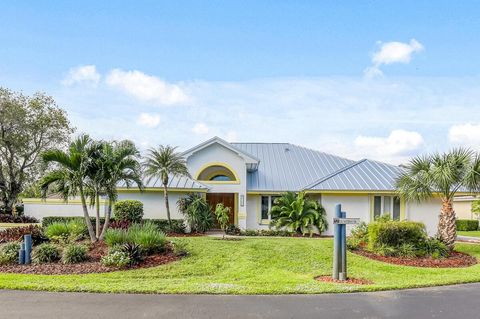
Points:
(174, 182)
(364, 175)
(285, 166)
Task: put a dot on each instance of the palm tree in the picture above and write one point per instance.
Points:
(70, 174)
(298, 213)
(441, 175)
(162, 162)
(119, 164)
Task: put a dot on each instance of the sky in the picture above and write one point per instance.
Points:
(382, 80)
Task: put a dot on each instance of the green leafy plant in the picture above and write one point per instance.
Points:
(407, 250)
(9, 253)
(233, 230)
(74, 253)
(148, 237)
(117, 236)
(197, 212)
(395, 233)
(116, 258)
(70, 231)
(298, 213)
(134, 252)
(128, 210)
(46, 253)
(17, 233)
(179, 248)
(466, 224)
(223, 216)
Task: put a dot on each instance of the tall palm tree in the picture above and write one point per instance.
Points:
(441, 175)
(69, 177)
(162, 162)
(119, 164)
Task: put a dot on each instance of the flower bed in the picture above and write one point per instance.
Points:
(454, 260)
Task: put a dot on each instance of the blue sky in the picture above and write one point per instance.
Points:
(379, 79)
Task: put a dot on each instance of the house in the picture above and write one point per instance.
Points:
(463, 206)
(247, 177)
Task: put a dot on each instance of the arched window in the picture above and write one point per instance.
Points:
(217, 173)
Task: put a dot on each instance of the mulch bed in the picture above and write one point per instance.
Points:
(185, 234)
(91, 266)
(352, 281)
(455, 260)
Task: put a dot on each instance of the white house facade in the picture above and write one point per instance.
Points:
(248, 176)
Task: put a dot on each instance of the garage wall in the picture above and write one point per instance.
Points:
(427, 212)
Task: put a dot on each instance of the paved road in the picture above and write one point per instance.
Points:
(460, 301)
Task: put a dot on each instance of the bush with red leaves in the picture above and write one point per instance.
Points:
(120, 224)
(16, 233)
(7, 218)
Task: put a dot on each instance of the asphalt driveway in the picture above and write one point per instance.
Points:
(442, 302)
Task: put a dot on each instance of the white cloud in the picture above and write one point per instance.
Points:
(148, 120)
(232, 136)
(200, 129)
(465, 134)
(392, 52)
(82, 74)
(398, 143)
(146, 87)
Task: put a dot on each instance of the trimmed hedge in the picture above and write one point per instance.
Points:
(129, 210)
(395, 234)
(467, 224)
(178, 225)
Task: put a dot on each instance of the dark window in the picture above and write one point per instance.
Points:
(222, 178)
(377, 206)
(396, 208)
(264, 207)
(272, 201)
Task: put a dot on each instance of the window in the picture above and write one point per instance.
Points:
(267, 203)
(222, 178)
(217, 173)
(386, 205)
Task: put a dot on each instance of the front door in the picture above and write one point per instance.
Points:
(228, 200)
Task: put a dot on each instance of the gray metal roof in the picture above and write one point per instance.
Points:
(175, 182)
(364, 175)
(285, 166)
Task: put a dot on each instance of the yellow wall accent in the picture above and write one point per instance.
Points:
(160, 189)
(56, 201)
(225, 165)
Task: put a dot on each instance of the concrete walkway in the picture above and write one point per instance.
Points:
(442, 302)
(468, 239)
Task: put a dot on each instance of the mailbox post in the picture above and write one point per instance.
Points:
(340, 222)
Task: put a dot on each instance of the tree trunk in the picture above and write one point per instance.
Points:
(447, 229)
(107, 219)
(167, 206)
(97, 211)
(91, 232)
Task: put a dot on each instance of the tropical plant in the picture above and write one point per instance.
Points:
(72, 230)
(147, 236)
(197, 212)
(29, 125)
(9, 253)
(128, 210)
(74, 253)
(161, 163)
(441, 175)
(476, 207)
(298, 213)
(46, 253)
(223, 216)
(89, 169)
(116, 258)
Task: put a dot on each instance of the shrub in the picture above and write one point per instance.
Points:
(265, 232)
(17, 233)
(7, 218)
(233, 230)
(435, 248)
(65, 219)
(223, 216)
(148, 237)
(178, 226)
(360, 232)
(115, 237)
(354, 243)
(130, 210)
(117, 259)
(120, 224)
(299, 214)
(9, 253)
(467, 224)
(70, 231)
(74, 253)
(407, 250)
(180, 248)
(134, 252)
(46, 253)
(197, 212)
(385, 250)
(395, 233)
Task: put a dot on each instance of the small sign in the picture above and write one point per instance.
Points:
(346, 221)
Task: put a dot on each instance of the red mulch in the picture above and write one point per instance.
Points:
(352, 281)
(92, 266)
(455, 260)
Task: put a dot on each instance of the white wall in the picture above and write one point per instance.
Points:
(425, 212)
(44, 209)
(354, 206)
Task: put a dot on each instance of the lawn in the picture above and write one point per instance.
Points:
(251, 266)
(475, 233)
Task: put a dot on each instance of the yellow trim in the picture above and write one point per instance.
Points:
(12, 225)
(225, 165)
(402, 208)
(56, 201)
(160, 189)
(351, 192)
(235, 209)
(265, 193)
(221, 172)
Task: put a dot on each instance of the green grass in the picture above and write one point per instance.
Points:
(251, 266)
(475, 233)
